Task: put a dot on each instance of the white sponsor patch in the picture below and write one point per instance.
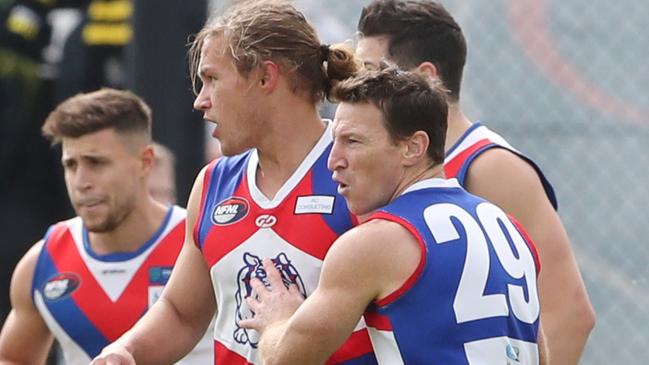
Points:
(322, 204)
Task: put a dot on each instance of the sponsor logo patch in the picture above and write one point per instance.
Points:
(229, 211)
(320, 204)
(512, 353)
(60, 286)
(159, 274)
(265, 221)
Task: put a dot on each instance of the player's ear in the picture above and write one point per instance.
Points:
(269, 75)
(428, 69)
(147, 158)
(415, 148)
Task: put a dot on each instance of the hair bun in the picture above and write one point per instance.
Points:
(324, 52)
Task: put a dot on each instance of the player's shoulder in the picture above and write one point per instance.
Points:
(24, 271)
(502, 177)
(377, 235)
(234, 162)
(377, 243)
(501, 167)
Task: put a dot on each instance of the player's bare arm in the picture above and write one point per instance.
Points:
(359, 268)
(25, 338)
(568, 317)
(177, 321)
(544, 354)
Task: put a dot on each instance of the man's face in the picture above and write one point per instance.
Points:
(103, 178)
(228, 99)
(365, 161)
(372, 50)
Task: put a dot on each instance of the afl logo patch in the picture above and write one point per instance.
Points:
(60, 286)
(229, 211)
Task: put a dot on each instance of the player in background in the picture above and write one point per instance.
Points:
(93, 276)
(421, 35)
(440, 276)
(162, 181)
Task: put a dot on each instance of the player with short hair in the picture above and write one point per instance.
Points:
(421, 35)
(93, 276)
(439, 275)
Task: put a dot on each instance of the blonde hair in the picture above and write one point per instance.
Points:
(260, 30)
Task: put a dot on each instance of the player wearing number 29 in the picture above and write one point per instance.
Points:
(441, 276)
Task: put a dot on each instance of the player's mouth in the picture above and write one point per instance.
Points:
(215, 123)
(343, 189)
(342, 186)
(89, 205)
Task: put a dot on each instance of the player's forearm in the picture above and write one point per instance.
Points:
(163, 336)
(281, 344)
(566, 333)
(544, 353)
(268, 344)
(275, 348)
(568, 316)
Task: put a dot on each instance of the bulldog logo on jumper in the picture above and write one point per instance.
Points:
(254, 269)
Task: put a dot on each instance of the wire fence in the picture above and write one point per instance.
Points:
(565, 82)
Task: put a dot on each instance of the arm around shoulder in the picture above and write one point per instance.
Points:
(25, 338)
(366, 263)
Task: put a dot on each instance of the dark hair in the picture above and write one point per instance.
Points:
(419, 31)
(91, 112)
(408, 101)
(259, 30)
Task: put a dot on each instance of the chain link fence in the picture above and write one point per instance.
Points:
(565, 82)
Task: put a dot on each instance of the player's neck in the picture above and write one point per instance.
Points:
(458, 123)
(296, 132)
(136, 229)
(415, 174)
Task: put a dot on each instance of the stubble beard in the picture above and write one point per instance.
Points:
(114, 219)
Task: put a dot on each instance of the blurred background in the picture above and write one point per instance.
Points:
(563, 81)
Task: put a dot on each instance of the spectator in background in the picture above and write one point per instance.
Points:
(24, 32)
(27, 180)
(94, 53)
(91, 277)
(421, 35)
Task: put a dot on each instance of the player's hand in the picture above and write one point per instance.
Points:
(271, 305)
(114, 355)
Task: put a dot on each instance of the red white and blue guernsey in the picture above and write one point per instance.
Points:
(475, 141)
(89, 300)
(473, 298)
(238, 226)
